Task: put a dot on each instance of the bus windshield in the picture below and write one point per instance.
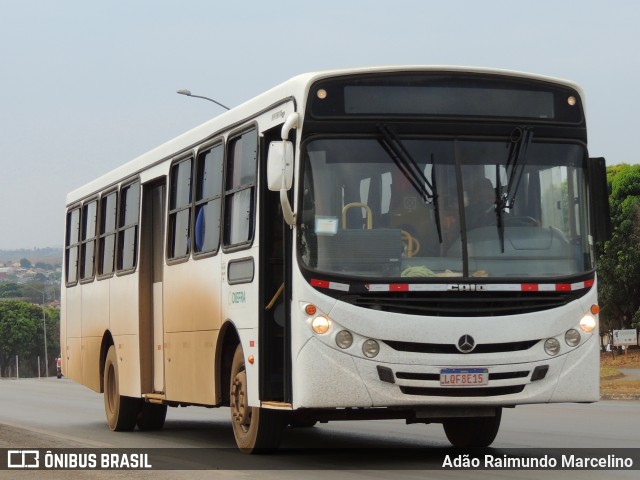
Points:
(384, 206)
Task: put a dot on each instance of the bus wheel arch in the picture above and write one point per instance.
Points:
(107, 341)
(228, 341)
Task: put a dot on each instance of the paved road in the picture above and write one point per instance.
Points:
(55, 413)
(631, 373)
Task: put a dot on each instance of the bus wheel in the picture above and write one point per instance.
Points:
(473, 432)
(151, 416)
(121, 411)
(256, 430)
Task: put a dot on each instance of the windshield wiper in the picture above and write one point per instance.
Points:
(411, 170)
(521, 138)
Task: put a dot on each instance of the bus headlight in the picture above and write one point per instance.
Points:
(370, 348)
(344, 339)
(587, 323)
(572, 337)
(552, 346)
(320, 325)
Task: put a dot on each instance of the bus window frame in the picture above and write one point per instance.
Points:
(201, 149)
(120, 229)
(234, 135)
(84, 241)
(169, 234)
(68, 246)
(103, 195)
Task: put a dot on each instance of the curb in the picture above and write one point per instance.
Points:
(620, 396)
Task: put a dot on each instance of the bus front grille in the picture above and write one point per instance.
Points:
(462, 304)
(445, 348)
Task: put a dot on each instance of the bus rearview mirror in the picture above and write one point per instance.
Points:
(280, 166)
(601, 217)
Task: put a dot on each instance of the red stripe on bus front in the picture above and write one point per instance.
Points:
(563, 287)
(319, 283)
(399, 287)
(529, 287)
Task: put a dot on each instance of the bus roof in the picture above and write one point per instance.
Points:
(295, 87)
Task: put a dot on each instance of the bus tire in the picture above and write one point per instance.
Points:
(121, 411)
(256, 430)
(472, 432)
(151, 416)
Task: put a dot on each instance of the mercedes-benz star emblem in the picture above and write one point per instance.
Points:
(466, 344)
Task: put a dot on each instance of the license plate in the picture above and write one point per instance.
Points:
(464, 377)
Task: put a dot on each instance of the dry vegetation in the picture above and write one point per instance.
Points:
(613, 384)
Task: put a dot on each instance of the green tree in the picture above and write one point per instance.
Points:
(619, 258)
(18, 329)
(22, 334)
(10, 290)
(25, 263)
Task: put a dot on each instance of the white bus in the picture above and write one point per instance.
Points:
(408, 243)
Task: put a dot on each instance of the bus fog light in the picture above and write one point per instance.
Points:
(552, 346)
(320, 325)
(344, 339)
(587, 323)
(370, 348)
(572, 337)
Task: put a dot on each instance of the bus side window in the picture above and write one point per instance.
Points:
(108, 206)
(180, 209)
(239, 215)
(128, 227)
(72, 246)
(88, 248)
(208, 200)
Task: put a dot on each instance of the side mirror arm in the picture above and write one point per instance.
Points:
(289, 215)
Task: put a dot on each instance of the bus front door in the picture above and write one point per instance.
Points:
(151, 287)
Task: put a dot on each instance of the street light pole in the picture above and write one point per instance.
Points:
(44, 326)
(184, 91)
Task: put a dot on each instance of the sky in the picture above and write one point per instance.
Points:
(86, 86)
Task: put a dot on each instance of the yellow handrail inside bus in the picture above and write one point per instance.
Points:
(275, 298)
(361, 205)
(413, 245)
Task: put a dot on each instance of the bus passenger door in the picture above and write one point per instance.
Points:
(275, 290)
(151, 287)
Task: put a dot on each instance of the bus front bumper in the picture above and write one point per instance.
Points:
(325, 377)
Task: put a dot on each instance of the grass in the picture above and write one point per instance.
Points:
(613, 384)
(621, 360)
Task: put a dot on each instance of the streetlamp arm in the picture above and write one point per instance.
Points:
(184, 91)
